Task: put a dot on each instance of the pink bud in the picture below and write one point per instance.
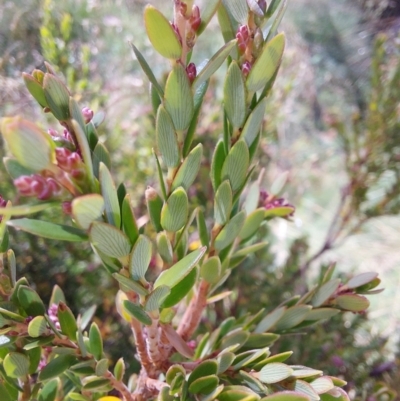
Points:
(244, 30)
(195, 19)
(67, 208)
(54, 186)
(246, 67)
(62, 157)
(191, 72)
(53, 133)
(24, 185)
(75, 160)
(3, 202)
(241, 43)
(87, 114)
(263, 5)
(78, 174)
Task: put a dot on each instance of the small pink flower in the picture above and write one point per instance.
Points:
(87, 114)
(246, 67)
(191, 72)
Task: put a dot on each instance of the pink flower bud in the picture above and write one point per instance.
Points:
(67, 208)
(87, 114)
(62, 157)
(54, 186)
(176, 31)
(191, 72)
(241, 43)
(263, 5)
(3, 202)
(75, 160)
(246, 67)
(244, 30)
(78, 174)
(195, 19)
(53, 133)
(24, 185)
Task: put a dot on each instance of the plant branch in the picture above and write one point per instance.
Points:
(119, 386)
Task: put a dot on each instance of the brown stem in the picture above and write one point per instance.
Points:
(141, 347)
(119, 386)
(152, 341)
(26, 394)
(191, 319)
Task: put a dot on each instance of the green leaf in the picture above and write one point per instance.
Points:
(293, 316)
(198, 100)
(49, 390)
(273, 5)
(208, 367)
(23, 210)
(252, 224)
(204, 384)
(223, 203)
(230, 231)
(305, 388)
(179, 270)
(236, 164)
(37, 326)
(35, 89)
(238, 9)
(202, 228)
(56, 367)
(180, 290)
(100, 155)
(269, 321)
(137, 312)
(207, 10)
(322, 384)
(277, 20)
(275, 372)
(251, 249)
(237, 338)
(225, 360)
(156, 298)
(97, 384)
(161, 34)
(57, 295)
(119, 369)
(352, 302)
(321, 314)
(128, 220)
(147, 70)
(266, 64)
(211, 270)
(178, 98)
(325, 292)
(227, 26)
(260, 340)
(57, 97)
(274, 358)
(253, 123)
(86, 317)
(235, 96)
(15, 169)
(109, 240)
(189, 169)
(140, 257)
(214, 63)
(175, 211)
(16, 365)
(217, 162)
(67, 321)
(166, 138)
(30, 301)
(86, 209)
(130, 284)
(286, 396)
(96, 342)
(32, 147)
(361, 279)
(154, 207)
(238, 393)
(76, 113)
(109, 193)
(164, 247)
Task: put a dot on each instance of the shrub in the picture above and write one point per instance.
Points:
(171, 263)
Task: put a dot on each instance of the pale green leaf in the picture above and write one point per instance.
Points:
(217, 163)
(293, 316)
(252, 224)
(325, 292)
(275, 372)
(210, 270)
(238, 9)
(236, 164)
(57, 97)
(16, 364)
(37, 326)
(223, 203)
(156, 298)
(253, 123)
(140, 257)
(269, 321)
(86, 209)
(352, 302)
(109, 240)
(174, 213)
(137, 312)
(110, 197)
(207, 10)
(230, 231)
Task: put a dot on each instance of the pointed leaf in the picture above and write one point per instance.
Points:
(86, 209)
(230, 231)
(56, 367)
(175, 211)
(57, 97)
(361, 279)
(109, 240)
(252, 224)
(266, 64)
(177, 341)
(202, 228)
(305, 388)
(179, 270)
(128, 220)
(147, 70)
(321, 314)
(214, 63)
(253, 123)
(161, 34)
(166, 138)
(238, 9)
(293, 316)
(204, 385)
(30, 301)
(35, 89)
(223, 203)
(130, 284)
(140, 257)
(164, 247)
(217, 163)
(100, 155)
(156, 298)
(96, 342)
(235, 96)
(180, 290)
(207, 10)
(67, 321)
(178, 98)
(49, 390)
(325, 292)
(137, 312)
(269, 321)
(109, 193)
(236, 165)
(189, 169)
(32, 147)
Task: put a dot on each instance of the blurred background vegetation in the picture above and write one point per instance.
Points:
(333, 123)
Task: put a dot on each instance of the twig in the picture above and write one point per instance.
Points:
(192, 316)
(119, 386)
(141, 347)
